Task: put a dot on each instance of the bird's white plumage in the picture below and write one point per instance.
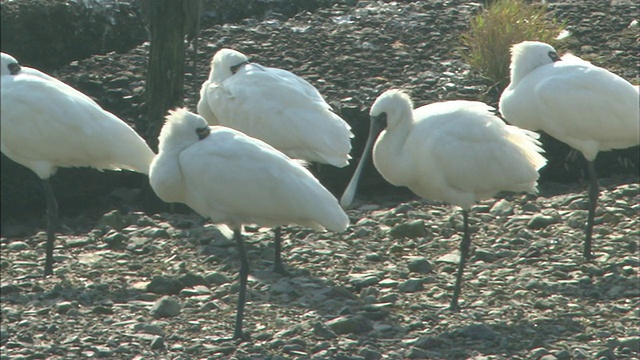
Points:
(236, 179)
(456, 151)
(47, 124)
(276, 106)
(576, 102)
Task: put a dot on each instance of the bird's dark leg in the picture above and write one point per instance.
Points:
(593, 199)
(277, 261)
(464, 253)
(52, 224)
(244, 274)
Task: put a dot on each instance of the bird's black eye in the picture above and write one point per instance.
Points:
(234, 69)
(14, 68)
(554, 56)
(203, 132)
(381, 120)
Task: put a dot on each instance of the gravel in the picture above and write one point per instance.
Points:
(129, 284)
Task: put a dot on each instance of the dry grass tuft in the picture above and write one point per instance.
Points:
(500, 25)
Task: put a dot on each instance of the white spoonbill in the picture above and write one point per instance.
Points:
(580, 104)
(47, 124)
(235, 179)
(458, 152)
(277, 107)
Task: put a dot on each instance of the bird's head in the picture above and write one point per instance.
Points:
(528, 56)
(181, 129)
(10, 65)
(390, 108)
(225, 63)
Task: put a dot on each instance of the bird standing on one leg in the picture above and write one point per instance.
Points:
(235, 179)
(458, 152)
(277, 107)
(580, 104)
(47, 124)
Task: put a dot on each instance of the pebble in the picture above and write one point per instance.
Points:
(113, 219)
(411, 285)
(417, 353)
(428, 342)
(632, 342)
(485, 255)
(408, 230)
(164, 285)
(420, 265)
(322, 331)
(157, 343)
(540, 221)
(502, 207)
(349, 324)
(17, 246)
(370, 353)
(478, 332)
(166, 306)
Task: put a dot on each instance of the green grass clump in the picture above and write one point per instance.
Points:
(500, 25)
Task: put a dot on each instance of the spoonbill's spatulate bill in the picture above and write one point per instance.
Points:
(458, 152)
(277, 107)
(235, 179)
(580, 104)
(46, 124)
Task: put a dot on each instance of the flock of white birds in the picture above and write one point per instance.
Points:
(242, 159)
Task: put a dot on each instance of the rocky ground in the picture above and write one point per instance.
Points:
(129, 284)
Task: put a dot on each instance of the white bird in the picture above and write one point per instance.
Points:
(277, 107)
(235, 179)
(580, 104)
(47, 124)
(458, 152)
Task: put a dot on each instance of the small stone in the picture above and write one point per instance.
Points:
(563, 355)
(102, 310)
(450, 258)
(408, 230)
(349, 325)
(540, 221)
(543, 304)
(157, 343)
(538, 353)
(370, 353)
(548, 357)
(77, 242)
(417, 353)
(374, 257)
(115, 239)
(428, 342)
(292, 348)
(478, 332)
(485, 255)
(190, 280)
(64, 307)
(148, 329)
(411, 285)
(217, 278)
(501, 208)
(164, 286)
(321, 331)
(420, 265)
(632, 343)
(579, 353)
(363, 280)
(113, 219)
(17, 246)
(166, 306)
